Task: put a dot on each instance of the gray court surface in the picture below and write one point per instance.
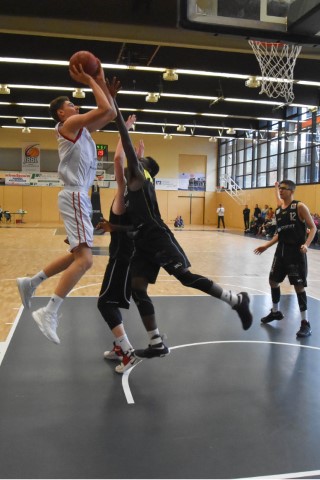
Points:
(224, 404)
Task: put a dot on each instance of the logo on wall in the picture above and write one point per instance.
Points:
(30, 157)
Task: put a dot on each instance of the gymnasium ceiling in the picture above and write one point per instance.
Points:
(131, 35)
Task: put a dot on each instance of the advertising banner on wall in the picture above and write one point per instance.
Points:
(17, 179)
(166, 184)
(30, 157)
(45, 180)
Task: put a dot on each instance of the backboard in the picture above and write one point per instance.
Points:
(276, 20)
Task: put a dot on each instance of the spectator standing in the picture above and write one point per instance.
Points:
(257, 211)
(220, 212)
(246, 217)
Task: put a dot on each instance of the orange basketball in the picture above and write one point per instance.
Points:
(89, 62)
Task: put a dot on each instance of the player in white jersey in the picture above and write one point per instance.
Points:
(77, 168)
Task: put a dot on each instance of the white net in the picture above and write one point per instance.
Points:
(277, 62)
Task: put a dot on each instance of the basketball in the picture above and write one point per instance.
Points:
(89, 62)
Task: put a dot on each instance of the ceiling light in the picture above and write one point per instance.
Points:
(167, 136)
(170, 75)
(313, 109)
(152, 97)
(253, 82)
(21, 120)
(78, 93)
(26, 130)
(212, 139)
(4, 89)
(181, 128)
(231, 131)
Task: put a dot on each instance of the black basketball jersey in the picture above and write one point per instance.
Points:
(290, 229)
(142, 206)
(121, 246)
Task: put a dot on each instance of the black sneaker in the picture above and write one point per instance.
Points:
(305, 329)
(243, 310)
(272, 316)
(155, 349)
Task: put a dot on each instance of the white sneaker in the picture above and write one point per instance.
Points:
(114, 354)
(47, 322)
(26, 290)
(129, 360)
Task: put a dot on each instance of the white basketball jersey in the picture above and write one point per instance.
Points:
(78, 159)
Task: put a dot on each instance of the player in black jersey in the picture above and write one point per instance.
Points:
(115, 291)
(156, 246)
(290, 259)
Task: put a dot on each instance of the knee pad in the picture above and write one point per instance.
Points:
(143, 302)
(111, 314)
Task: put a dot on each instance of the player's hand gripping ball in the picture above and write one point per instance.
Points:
(90, 63)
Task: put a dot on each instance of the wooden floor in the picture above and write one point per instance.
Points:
(224, 256)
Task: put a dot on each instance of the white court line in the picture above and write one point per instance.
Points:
(4, 345)
(125, 376)
(286, 475)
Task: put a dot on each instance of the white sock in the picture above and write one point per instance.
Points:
(229, 297)
(275, 307)
(124, 343)
(54, 304)
(152, 333)
(38, 278)
(304, 315)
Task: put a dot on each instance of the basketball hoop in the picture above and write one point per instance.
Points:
(277, 62)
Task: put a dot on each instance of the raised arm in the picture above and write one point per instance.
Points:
(276, 192)
(135, 171)
(118, 206)
(96, 118)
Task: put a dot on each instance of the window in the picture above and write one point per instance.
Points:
(286, 149)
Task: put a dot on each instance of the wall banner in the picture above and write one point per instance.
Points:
(46, 180)
(30, 157)
(17, 179)
(166, 183)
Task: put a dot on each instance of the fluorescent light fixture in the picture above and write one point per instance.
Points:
(231, 131)
(26, 130)
(20, 120)
(152, 97)
(78, 93)
(167, 136)
(170, 75)
(253, 82)
(181, 128)
(4, 89)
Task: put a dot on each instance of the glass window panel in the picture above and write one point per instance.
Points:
(240, 156)
(262, 164)
(240, 169)
(290, 174)
(292, 159)
(248, 167)
(273, 164)
(272, 178)
(303, 175)
(274, 147)
(247, 181)
(239, 181)
(291, 141)
(262, 178)
(262, 149)
(249, 153)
